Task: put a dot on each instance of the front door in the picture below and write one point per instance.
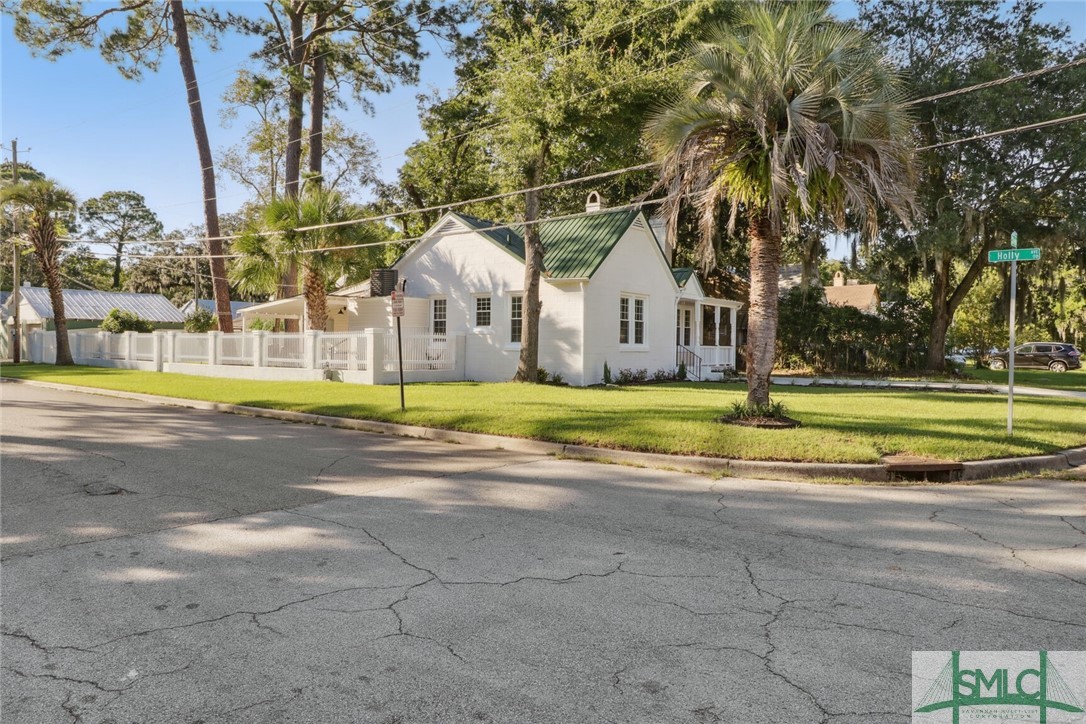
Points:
(684, 325)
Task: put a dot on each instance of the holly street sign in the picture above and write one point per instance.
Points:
(997, 256)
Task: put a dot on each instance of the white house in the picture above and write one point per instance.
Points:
(608, 292)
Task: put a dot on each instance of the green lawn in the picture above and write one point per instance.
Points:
(1070, 380)
(839, 425)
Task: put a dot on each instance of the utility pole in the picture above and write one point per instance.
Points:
(16, 342)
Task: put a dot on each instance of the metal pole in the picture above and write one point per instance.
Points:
(1010, 350)
(399, 362)
(16, 342)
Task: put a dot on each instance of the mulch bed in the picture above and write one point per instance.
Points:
(767, 423)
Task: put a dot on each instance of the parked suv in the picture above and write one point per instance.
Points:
(1055, 356)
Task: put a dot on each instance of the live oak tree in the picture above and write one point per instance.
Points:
(787, 114)
(52, 28)
(41, 200)
(973, 195)
(119, 218)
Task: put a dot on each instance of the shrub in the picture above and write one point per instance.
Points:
(606, 373)
(662, 375)
(557, 379)
(743, 410)
(627, 376)
(201, 320)
(541, 375)
(640, 375)
(260, 324)
(117, 321)
(680, 374)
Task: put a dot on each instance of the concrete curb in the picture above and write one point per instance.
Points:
(871, 472)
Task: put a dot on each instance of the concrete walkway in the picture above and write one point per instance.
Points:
(927, 386)
(247, 570)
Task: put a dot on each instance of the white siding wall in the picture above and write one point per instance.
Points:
(634, 267)
(376, 313)
(459, 266)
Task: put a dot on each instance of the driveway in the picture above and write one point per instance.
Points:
(246, 570)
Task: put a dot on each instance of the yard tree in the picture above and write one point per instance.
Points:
(973, 195)
(278, 243)
(119, 218)
(42, 200)
(131, 35)
(563, 88)
(787, 114)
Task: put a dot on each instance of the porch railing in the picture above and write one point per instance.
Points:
(689, 359)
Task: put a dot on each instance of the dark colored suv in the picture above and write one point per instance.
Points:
(1055, 356)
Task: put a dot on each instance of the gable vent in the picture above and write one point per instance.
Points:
(448, 227)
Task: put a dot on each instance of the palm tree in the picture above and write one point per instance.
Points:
(788, 113)
(277, 245)
(43, 199)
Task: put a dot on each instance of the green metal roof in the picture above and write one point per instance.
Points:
(682, 276)
(572, 248)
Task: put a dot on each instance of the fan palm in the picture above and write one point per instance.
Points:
(268, 252)
(788, 114)
(42, 199)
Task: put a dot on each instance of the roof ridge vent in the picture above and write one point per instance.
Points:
(594, 202)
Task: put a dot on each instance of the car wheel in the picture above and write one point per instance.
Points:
(997, 364)
(1058, 366)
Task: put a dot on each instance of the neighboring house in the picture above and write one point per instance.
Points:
(851, 293)
(608, 295)
(209, 304)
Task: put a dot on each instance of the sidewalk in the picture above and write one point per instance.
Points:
(927, 386)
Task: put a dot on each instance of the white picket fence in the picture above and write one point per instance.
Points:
(368, 357)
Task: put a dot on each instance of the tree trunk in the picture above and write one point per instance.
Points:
(316, 121)
(945, 302)
(940, 314)
(316, 300)
(528, 365)
(207, 165)
(761, 347)
(288, 284)
(48, 247)
(117, 266)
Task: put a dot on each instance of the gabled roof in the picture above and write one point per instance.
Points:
(682, 275)
(89, 305)
(864, 297)
(573, 248)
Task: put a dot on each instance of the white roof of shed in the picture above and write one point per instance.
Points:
(94, 305)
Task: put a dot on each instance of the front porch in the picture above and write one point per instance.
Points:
(705, 336)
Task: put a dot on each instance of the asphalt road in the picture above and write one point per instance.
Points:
(249, 570)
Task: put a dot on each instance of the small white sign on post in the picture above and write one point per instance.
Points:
(397, 304)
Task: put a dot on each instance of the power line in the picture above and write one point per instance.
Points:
(1016, 129)
(1001, 81)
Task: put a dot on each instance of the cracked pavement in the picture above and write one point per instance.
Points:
(249, 570)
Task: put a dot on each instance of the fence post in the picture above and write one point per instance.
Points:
(352, 352)
(258, 348)
(129, 346)
(157, 338)
(213, 348)
(103, 346)
(170, 353)
(75, 340)
(460, 355)
(311, 350)
(375, 354)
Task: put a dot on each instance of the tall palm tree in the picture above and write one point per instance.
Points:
(42, 199)
(788, 113)
(278, 245)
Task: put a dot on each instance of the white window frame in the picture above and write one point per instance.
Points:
(433, 315)
(630, 302)
(516, 326)
(476, 298)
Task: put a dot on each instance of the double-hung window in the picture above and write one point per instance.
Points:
(482, 311)
(439, 316)
(516, 317)
(631, 320)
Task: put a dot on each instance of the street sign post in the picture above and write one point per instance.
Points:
(397, 312)
(1012, 255)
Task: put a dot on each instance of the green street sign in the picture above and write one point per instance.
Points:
(997, 256)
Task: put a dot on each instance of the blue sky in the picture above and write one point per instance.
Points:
(80, 122)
